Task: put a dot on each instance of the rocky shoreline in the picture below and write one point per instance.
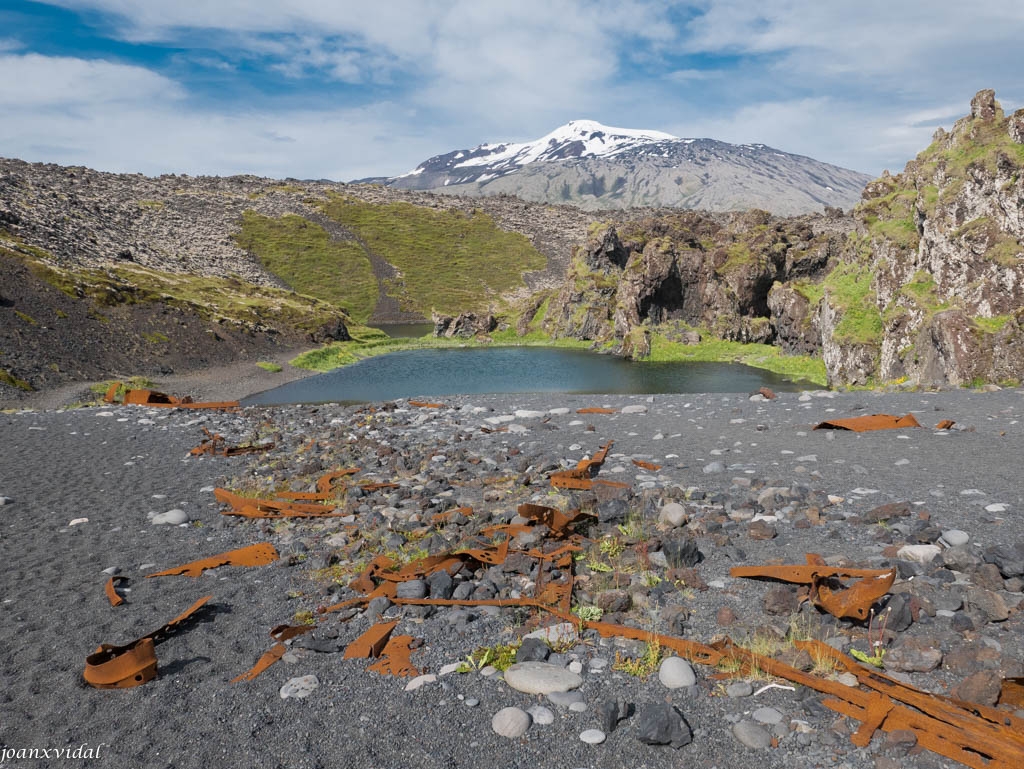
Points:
(739, 482)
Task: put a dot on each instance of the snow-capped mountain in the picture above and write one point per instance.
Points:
(595, 166)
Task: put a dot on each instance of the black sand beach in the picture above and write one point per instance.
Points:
(718, 454)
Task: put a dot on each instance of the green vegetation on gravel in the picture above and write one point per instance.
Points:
(227, 300)
(303, 255)
(9, 379)
(762, 356)
(449, 261)
(273, 368)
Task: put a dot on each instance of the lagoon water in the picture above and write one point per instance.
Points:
(441, 372)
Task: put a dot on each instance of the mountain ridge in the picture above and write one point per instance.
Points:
(594, 166)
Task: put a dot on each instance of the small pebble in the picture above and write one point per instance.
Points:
(593, 736)
(541, 715)
(297, 688)
(676, 673)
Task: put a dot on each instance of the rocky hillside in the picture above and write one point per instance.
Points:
(597, 167)
(939, 252)
(121, 265)
(923, 282)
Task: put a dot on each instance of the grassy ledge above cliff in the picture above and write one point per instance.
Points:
(447, 260)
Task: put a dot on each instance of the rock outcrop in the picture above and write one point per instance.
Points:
(924, 282)
(945, 255)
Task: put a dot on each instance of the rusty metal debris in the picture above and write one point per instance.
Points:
(646, 465)
(582, 476)
(945, 424)
(557, 521)
(280, 633)
(426, 405)
(1012, 692)
(122, 667)
(154, 398)
(869, 423)
(254, 555)
(215, 445)
(111, 590)
(251, 507)
(596, 410)
(372, 642)
(826, 589)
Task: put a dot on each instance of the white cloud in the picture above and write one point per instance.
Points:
(32, 81)
(126, 119)
(9, 44)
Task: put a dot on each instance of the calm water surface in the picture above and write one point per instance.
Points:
(514, 370)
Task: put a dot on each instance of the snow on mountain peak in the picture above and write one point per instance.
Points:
(575, 139)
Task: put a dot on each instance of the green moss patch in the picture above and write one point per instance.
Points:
(849, 288)
(762, 356)
(449, 261)
(9, 379)
(303, 255)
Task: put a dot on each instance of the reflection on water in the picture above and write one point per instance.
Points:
(514, 370)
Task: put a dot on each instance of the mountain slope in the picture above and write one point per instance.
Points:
(594, 166)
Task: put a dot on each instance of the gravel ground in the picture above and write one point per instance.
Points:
(718, 456)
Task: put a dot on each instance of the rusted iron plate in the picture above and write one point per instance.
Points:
(853, 601)
(440, 518)
(377, 486)
(269, 658)
(279, 633)
(142, 397)
(869, 423)
(215, 445)
(259, 554)
(596, 410)
(945, 424)
(646, 465)
(1012, 692)
(326, 481)
(395, 658)
(372, 642)
(111, 591)
(558, 522)
(426, 405)
(122, 667)
(251, 507)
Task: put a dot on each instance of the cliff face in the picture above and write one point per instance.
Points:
(924, 282)
(693, 273)
(943, 243)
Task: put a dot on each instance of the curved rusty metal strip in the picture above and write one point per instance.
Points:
(269, 658)
(122, 667)
(111, 591)
(254, 555)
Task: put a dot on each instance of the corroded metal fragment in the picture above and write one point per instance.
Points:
(259, 554)
(869, 423)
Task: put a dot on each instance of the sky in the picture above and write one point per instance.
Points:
(347, 89)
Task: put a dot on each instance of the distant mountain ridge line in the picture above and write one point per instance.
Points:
(593, 166)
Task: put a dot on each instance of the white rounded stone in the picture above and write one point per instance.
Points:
(672, 514)
(593, 736)
(676, 673)
(297, 688)
(170, 518)
(510, 722)
(541, 678)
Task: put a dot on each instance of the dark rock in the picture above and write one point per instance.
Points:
(611, 601)
(413, 588)
(888, 512)
(466, 324)
(610, 712)
(682, 553)
(726, 616)
(982, 687)
(676, 618)
(1015, 126)
(1009, 559)
(378, 606)
(332, 331)
(761, 530)
(533, 650)
(896, 615)
(319, 644)
(781, 600)
(913, 656)
(612, 511)
(898, 742)
(441, 585)
(989, 603)
(662, 724)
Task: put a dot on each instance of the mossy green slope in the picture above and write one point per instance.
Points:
(449, 261)
(303, 255)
